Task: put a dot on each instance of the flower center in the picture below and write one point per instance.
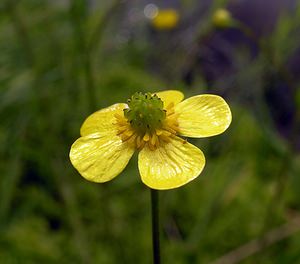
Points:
(145, 112)
(146, 122)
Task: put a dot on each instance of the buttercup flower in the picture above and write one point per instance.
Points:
(151, 124)
(222, 18)
(165, 19)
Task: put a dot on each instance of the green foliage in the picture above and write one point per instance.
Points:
(58, 65)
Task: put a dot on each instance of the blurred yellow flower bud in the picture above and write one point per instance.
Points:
(222, 18)
(165, 19)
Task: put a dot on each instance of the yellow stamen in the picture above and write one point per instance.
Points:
(132, 139)
(171, 130)
(128, 133)
(138, 142)
(124, 137)
(121, 129)
(164, 138)
(146, 137)
(166, 133)
(158, 132)
(152, 138)
(170, 106)
(151, 147)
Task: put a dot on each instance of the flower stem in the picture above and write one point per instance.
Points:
(155, 226)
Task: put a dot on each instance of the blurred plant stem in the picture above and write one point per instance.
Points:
(23, 34)
(78, 15)
(155, 226)
(12, 178)
(276, 199)
(86, 46)
(73, 212)
(208, 213)
(8, 188)
(38, 108)
(282, 174)
(275, 235)
(97, 34)
(268, 53)
(263, 45)
(21, 30)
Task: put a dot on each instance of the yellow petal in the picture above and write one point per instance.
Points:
(203, 116)
(170, 96)
(171, 165)
(102, 121)
(100, 158)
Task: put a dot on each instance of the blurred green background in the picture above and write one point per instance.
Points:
(62, 60)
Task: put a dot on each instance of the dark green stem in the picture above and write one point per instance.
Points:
(155, 226)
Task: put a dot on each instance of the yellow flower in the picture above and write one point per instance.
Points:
(165, 19)
(222, 18)
(151, 124)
